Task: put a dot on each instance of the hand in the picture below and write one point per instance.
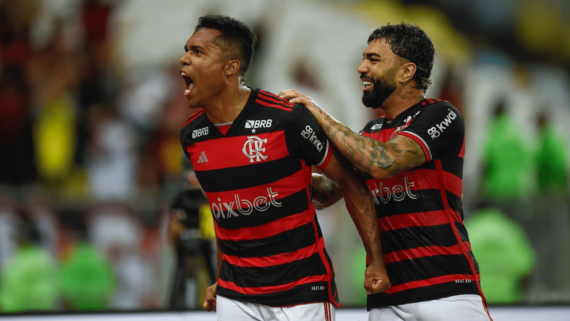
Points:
(210, 301)
(376, 278)
(296, 97)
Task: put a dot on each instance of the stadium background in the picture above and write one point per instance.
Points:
(91, 104)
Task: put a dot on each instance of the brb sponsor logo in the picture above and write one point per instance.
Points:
(200, 132)
(266, 123)
(397, 192)
(253, 149)
(435, 131)
(309, 133)
(223, 209)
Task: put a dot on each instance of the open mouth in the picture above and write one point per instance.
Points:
(189, 83)
(366, 82)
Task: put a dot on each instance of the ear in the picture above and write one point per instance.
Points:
(407, 72)
(231, 67)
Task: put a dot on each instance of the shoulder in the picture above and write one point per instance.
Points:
(192, 123)
(373, 126)
(438, 108)
(266, 99)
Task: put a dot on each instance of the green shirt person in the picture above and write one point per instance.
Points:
(28, 281)
(504, 254)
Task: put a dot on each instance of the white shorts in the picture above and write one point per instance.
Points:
(232, 310)
(466, 307)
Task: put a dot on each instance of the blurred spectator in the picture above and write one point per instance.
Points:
(87, 280)
(504, 254)
(116, 231)
(550, 282)
(16, 147)
(112, 158)
(28, 280)
(508, 180)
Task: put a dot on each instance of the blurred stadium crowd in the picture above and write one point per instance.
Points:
(91, 105)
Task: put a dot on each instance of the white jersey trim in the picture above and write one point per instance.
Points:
(325, 156)
(223, 124)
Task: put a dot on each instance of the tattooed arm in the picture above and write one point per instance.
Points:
(324, 192)
(381, 160)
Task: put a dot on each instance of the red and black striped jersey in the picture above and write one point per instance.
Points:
(426, 249)
(257, 179)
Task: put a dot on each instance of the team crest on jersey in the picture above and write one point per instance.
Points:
(398, 130)
(253, 149)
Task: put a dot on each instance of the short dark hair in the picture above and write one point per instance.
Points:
(233, 33)
(411, 43)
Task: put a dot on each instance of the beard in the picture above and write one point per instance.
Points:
(382, 89)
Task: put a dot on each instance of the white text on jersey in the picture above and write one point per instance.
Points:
(434, 132)
(244, 207)
(309, 134)
(397, 193)
(266, 123)
(200, 132)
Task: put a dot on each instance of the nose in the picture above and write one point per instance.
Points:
(185, 59)
(363, 68)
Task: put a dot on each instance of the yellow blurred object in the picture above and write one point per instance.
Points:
(382, 12)
(206, 223)
(171, 155)
(451, 45)
(54, 138)
(539, 26)
(448, 43)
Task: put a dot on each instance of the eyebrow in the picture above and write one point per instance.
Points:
(193, 47)
(371, 54)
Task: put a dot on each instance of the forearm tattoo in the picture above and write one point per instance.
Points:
(395, 156)
(325, 191)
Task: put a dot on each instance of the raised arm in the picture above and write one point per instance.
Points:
(361, 208)
(380, 160)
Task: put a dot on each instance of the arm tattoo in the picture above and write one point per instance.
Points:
(393, 157)
(324, 191)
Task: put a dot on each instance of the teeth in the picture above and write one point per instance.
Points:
(182, 73)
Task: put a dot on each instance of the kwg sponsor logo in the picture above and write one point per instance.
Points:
(200, 132)
(253, 147)
(239, 206)
(435, 131)
(309, 133)
(266, 123)
(396, 193)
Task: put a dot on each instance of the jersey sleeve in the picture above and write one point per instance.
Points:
(439, 130)
(309, 141)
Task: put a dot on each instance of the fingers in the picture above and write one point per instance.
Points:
(300, 100)
(210, 304)
(292, 93)
(367, 286)
(210, 301)
(376, 286)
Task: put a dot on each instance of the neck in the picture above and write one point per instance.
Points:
(225, 107)
(400, 100)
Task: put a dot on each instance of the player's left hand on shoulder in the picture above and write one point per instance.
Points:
(376, 279)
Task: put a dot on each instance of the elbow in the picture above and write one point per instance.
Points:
(379, 173)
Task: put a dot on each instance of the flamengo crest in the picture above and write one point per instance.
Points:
(253, 147)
